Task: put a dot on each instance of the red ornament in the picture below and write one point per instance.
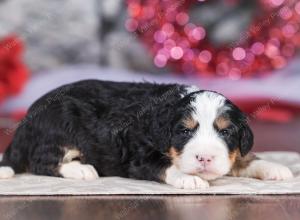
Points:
(13, 73)
(269, 43)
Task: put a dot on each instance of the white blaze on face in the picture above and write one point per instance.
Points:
(205, 142)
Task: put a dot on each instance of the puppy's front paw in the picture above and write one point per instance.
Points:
(271, 171)
(181, 180)
(190, 182)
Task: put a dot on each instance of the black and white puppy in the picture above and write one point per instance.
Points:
(174, 134)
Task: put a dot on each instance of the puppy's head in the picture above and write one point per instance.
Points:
(209, 134)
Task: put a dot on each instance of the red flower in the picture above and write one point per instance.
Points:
(13, 73)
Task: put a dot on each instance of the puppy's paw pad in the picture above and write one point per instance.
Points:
(76, 170)
(6, 172)
(274, 171)
(190, 182)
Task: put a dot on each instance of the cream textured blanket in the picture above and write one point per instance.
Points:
(42, 185)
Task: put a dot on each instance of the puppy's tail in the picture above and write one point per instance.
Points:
(9, 167)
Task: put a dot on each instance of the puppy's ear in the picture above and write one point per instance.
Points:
(246, 139)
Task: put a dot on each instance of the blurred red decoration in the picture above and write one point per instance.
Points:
(276, 115)
(269, 43)
(13, 73)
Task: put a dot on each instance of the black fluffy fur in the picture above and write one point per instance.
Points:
(122, 129)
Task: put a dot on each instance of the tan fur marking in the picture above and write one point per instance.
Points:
(222, 122)
(190, 123)
(71, 154)
(242, 163)
(233, 156)
(174, 155)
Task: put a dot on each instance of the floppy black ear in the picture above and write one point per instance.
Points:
(246, 139)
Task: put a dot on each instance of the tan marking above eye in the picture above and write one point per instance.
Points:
(222, 122)
(190, 123)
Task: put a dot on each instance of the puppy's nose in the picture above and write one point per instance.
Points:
(205, 159)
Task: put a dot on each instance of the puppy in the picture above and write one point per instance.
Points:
(174, 134)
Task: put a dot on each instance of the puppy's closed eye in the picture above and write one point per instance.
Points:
(188, 131)
(224, 132)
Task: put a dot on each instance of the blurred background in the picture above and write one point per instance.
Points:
(247, 50)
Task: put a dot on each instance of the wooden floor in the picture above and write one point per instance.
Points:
(152, 208)
(269, 136)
